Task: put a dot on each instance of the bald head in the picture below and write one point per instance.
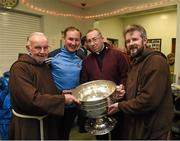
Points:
(35, 35)
(37, 46)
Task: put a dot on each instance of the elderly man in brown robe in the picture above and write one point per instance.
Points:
(37, 103)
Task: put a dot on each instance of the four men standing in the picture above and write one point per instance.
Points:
(147, 104)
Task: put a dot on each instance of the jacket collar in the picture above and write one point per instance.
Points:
(146, 52)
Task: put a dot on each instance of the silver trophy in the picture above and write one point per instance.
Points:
(95, 97)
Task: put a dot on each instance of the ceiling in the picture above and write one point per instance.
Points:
(97, 4)
(85, 3)
(96, 9)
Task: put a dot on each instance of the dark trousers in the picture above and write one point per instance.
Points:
(67, 122)
(81, 122)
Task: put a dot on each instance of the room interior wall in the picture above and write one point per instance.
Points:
(110, 27)
(52, 25)
(158, 25)
(177, 52)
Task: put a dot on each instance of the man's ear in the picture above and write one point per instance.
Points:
(28, 48)
(145, 41)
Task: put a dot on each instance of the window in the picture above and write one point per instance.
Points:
(15, 27)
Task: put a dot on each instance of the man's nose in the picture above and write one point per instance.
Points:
(73, 42)
(42, 50)
(91, 43)
(131, 42)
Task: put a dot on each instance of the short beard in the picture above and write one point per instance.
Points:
(40, 61)
(136, 52)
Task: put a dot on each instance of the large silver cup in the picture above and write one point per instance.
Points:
(94, 97)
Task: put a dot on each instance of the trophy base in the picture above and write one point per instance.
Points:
(100, 126)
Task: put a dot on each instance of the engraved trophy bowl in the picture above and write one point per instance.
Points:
(94, 97)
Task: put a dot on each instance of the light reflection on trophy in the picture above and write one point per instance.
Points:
(94, 97)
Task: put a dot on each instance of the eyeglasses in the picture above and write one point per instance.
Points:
(94, 40)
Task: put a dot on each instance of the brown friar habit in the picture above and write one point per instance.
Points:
(34, 93)
(149, 106)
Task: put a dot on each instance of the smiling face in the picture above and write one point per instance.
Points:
(94, 41)
(72, 40)
(37, 46)
(134, 43)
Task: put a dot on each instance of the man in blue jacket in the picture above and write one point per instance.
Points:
(65, 67)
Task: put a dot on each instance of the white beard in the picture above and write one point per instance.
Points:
(40, 61)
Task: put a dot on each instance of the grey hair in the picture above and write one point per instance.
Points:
(33, 34)
(134, 27)
(95, 29)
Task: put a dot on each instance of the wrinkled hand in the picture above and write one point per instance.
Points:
(113, 108)
(119, 93)
(70, 99)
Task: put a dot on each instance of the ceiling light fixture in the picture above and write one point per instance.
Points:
(122, 10)
(83, 4)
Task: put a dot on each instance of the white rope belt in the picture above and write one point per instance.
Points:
(40, 118)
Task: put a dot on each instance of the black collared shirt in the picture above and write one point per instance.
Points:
(99, 57)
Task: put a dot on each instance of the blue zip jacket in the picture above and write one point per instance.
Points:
(65, 68)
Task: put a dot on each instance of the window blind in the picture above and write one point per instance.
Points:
(14, 29)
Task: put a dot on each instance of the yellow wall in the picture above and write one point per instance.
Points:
(110, 28)
(53, 25)
(159, 25)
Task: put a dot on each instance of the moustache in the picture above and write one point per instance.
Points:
(133, 47)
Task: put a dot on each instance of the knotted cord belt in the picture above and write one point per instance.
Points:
(40, 118)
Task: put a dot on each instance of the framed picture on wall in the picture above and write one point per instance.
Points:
(113, 42)
(154, 44)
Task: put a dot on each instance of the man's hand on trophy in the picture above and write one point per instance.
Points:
(119, 93)
(113, 108)
(70, 99)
